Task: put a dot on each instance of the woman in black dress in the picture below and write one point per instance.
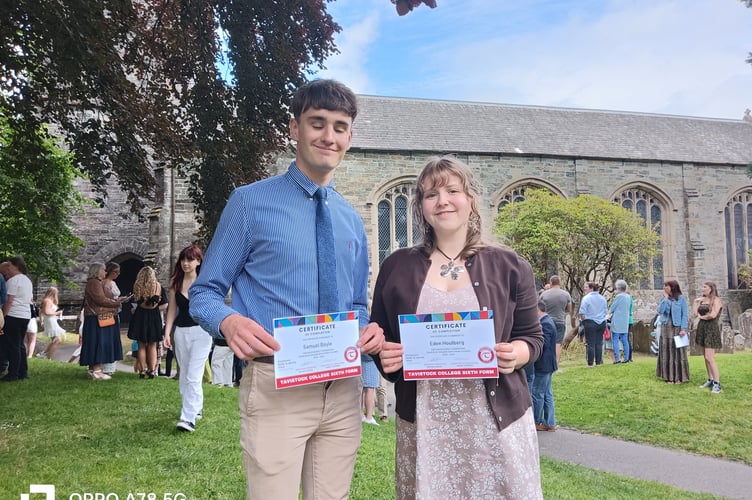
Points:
(149, 302)
(708, 310)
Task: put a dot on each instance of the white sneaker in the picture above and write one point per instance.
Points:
(370, 421)
(185, 426)
(41, 355)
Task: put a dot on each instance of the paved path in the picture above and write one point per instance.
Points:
(682, 470)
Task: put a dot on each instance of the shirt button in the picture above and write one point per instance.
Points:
(476, 284)
(500, 419)
(493, 393)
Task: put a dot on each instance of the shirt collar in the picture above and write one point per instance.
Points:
(302, 180)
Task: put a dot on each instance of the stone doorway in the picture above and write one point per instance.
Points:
(130, 264)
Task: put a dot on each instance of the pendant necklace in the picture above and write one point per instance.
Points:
(450, 269)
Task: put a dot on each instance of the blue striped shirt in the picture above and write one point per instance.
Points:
(264, 249)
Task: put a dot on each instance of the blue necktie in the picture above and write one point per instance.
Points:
(327, 262)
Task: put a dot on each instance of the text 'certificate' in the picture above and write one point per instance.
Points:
(448, 345)
(316, 348)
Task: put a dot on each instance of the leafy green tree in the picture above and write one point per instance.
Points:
(37, 199)
(583, 239)
(133, 84)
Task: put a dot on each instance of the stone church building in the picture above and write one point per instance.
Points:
(687, 174)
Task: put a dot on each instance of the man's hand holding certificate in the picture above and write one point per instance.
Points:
(448, 345)
(316, 348)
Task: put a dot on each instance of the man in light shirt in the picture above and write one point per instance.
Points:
(593, 311)
(264, 249)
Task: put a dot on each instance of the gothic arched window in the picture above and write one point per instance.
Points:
(395, 220)
(738, 223)
(515, 194)
(651, 210)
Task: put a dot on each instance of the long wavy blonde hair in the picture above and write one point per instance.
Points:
(146, 283)
(50, 295)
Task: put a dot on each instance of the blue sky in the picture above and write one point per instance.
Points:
(682, 57)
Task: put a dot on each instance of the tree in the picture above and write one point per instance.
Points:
(75, 65)
(133, 84)
(405, 6)
(584, 239)
(36, 199)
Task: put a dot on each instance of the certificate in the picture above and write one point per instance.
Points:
(680, 341)
(448, 345)
(316, 348)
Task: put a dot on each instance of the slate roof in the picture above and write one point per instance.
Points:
(404, 124)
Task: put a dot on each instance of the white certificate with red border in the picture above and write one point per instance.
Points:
(316, 348)
(448, 345)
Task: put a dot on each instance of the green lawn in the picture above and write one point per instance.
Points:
(119, 436)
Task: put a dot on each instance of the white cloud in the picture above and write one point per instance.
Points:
(354, 43)
(663, 56)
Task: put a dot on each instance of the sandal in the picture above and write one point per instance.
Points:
(99, 375)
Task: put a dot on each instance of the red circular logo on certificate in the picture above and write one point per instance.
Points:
(351, 354)
(485, 355)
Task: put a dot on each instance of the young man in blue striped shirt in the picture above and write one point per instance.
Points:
(264, 249)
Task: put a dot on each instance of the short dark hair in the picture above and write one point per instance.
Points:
(324, 94)
(593, 286)
(541, 306)
(20, 264)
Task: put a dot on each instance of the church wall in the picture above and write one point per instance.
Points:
(108, 231)
(111, 233)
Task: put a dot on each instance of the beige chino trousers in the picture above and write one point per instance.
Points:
(308, 434)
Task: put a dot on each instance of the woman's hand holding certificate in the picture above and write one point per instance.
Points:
(391, 357)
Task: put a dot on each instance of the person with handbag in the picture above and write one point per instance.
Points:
(100, 336)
